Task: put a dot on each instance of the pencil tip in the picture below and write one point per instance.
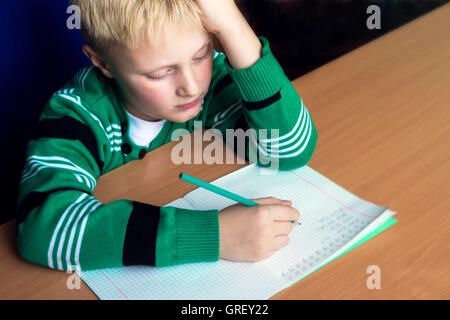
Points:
(180, 175)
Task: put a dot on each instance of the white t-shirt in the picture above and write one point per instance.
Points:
(143, 132)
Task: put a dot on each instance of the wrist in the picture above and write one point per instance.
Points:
(226, 26)
(241, 45)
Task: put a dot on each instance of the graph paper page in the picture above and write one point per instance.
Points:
(332, 221)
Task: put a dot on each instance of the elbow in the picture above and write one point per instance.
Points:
(303, 158)
(28, 246)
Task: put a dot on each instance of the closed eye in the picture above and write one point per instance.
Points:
(158, 78)
(202, 57)
(197, 60)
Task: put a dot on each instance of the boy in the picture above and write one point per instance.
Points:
(153, 71)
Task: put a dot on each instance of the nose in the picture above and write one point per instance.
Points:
(188, 85)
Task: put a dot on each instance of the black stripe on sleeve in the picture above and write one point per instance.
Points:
(31, 201)
(69, 128)
(140, 239)
(263, 103)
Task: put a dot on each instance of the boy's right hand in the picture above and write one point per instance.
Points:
(255, 233)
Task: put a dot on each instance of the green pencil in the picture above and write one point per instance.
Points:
(220, 191)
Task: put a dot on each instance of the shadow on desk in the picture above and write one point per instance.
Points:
(8, 243)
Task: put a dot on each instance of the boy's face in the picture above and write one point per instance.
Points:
(162, 75)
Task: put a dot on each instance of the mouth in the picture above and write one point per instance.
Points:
(189, 105)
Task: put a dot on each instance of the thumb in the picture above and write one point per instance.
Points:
(272, 200)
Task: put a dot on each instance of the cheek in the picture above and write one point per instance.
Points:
(155, 96)
(206, 73)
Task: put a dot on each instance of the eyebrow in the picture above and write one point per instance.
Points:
(168, 66)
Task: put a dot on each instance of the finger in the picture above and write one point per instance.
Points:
(267, 255)
(280, 242)
(282, 228)
(284, 213)
(272, 200)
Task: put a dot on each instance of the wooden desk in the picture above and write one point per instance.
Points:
(383, 117)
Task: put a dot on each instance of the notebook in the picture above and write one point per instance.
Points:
(333, 221)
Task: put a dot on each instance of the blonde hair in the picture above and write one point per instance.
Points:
(125, 23)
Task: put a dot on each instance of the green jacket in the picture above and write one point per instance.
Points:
(83, 134)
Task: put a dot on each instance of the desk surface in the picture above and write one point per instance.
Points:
(382, 113)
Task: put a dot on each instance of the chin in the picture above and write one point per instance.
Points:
(186, 115)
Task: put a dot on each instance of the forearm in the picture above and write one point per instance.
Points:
(239, 41)
(269, 101)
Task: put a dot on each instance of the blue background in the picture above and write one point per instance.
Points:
(39, 54)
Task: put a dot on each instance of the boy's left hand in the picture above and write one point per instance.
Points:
(217, 14)
(224, 19)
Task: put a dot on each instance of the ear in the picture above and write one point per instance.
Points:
(97, 60)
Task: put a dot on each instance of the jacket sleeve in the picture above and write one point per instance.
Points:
(260, 100)
(61, 225)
